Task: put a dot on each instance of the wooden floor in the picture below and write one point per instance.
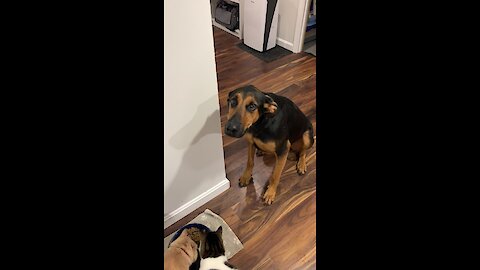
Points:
(282, 235)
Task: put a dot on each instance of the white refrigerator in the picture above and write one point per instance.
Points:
(260, 24)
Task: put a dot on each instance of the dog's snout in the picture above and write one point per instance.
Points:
(232, 128)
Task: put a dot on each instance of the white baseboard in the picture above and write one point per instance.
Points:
(285, 44)
(190, 206)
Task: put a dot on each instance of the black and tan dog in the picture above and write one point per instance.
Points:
(272, 124)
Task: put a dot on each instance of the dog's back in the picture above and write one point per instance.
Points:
(296, 121)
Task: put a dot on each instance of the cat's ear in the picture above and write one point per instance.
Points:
(219, 230)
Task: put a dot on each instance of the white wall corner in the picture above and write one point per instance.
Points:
(195, 203)
(285, 44)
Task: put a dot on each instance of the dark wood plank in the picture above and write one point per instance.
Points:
(282, 235)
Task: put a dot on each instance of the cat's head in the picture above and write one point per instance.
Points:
(211, 244)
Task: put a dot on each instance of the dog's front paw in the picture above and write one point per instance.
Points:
(244, 181)
(269, 195)
(301, 167)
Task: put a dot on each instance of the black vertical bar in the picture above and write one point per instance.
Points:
(271, 5)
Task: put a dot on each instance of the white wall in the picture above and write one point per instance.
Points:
(194, 160)
(287, 12)
(287, 19)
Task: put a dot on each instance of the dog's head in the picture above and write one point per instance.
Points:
(185, 243)
(245, 106)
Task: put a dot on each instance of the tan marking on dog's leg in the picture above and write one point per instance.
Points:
(306, 143)
(271, 191)
(247, 174)
(302, 164)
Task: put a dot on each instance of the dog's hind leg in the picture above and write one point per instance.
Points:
(295, 150)
(307, 142)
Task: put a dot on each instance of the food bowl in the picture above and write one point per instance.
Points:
(188, 226)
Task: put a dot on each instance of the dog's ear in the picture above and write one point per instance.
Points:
(270, 105)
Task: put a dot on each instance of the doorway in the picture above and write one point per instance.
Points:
(305, 29)
(310, 37)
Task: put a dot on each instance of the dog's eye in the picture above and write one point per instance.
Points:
(251, 107)
(233, 102)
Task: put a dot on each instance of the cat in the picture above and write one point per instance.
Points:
(182, 253)
(213, 252)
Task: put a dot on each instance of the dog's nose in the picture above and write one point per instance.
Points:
(232, 129)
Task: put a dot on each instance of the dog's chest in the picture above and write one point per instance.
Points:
(262, 145)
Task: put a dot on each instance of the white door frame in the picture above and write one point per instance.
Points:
(301, 25)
